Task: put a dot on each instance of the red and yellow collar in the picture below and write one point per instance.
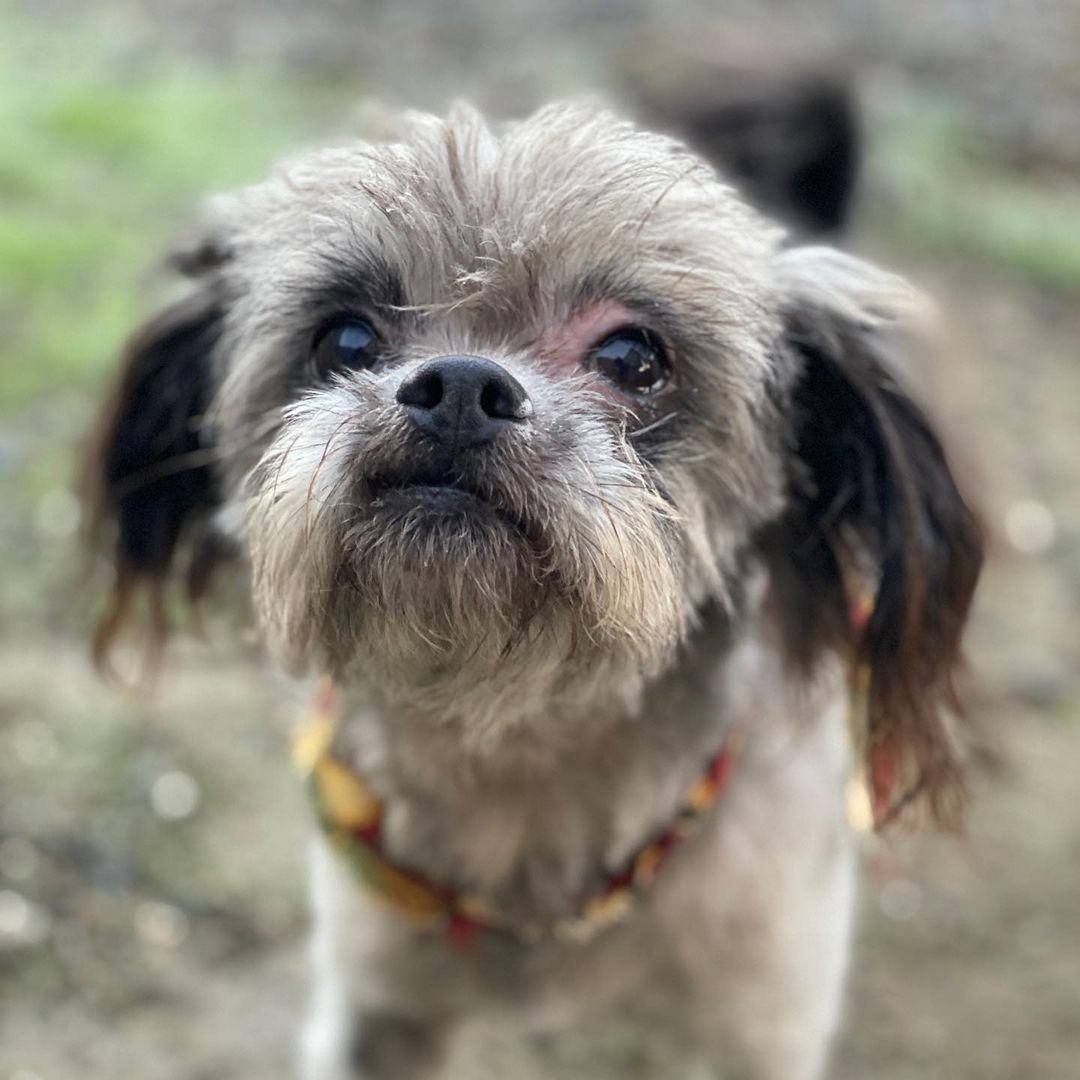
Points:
(351, 815)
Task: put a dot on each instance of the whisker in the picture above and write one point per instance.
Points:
(171, 466)
(188, 461)
(665, 419)
(696, 459)
(322, 460)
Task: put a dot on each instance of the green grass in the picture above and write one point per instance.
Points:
(105, 153)
(949, 194)
(103, 157)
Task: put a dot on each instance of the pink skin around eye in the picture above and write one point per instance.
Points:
(565, 345)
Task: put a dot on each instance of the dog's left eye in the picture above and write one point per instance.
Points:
(633, 359)
(344, 346)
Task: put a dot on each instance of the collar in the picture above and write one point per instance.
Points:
(351, 816)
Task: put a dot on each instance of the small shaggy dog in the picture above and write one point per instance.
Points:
(571, 479)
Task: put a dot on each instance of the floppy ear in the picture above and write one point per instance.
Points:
(149, 481)
(875, 507)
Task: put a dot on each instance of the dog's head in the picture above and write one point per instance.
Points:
(509, 411)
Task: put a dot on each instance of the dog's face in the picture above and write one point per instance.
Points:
(509, 411)
(497, 402)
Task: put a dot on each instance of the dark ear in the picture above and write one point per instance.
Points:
(874, 507)
(789, 141)
(149, 478)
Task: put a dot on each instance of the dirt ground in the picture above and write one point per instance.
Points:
(152, 915)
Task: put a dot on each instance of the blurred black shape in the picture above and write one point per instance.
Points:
(790, 140)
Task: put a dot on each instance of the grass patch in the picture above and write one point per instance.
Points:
(946, 192)
(106, 152)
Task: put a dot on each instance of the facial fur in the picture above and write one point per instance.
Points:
(569, 558)
(589, 539)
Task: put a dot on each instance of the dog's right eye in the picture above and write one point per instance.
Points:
(634, 360)
(345, 345)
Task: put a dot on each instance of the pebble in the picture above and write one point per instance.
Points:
(1030, 526)
(161, 925)
(175, 795)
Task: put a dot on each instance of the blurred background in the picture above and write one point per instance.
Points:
(152, 914)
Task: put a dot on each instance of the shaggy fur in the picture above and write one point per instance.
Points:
(538, 659)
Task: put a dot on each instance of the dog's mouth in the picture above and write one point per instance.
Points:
(445, 497)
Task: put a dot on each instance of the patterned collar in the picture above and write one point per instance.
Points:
(351, 815)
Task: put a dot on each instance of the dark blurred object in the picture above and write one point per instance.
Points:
(789, 139)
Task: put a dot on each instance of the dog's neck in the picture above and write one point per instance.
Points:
(531, 814)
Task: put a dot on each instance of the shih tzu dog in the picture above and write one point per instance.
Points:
(588, 497)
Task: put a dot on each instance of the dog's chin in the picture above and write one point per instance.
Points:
(432, 572)
(407, 579)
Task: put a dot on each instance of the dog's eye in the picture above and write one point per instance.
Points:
(344, 346)
(633, 359)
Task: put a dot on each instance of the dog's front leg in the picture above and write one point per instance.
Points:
(348, 1036)
(767, 962)
(782, 998)
(326, 1037)
(370, 1046)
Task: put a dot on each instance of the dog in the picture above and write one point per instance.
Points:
(591, 498)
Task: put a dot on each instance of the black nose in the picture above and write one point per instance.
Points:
(463, 401)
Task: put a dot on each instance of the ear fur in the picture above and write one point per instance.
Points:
(874, 501)
(149, 481)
